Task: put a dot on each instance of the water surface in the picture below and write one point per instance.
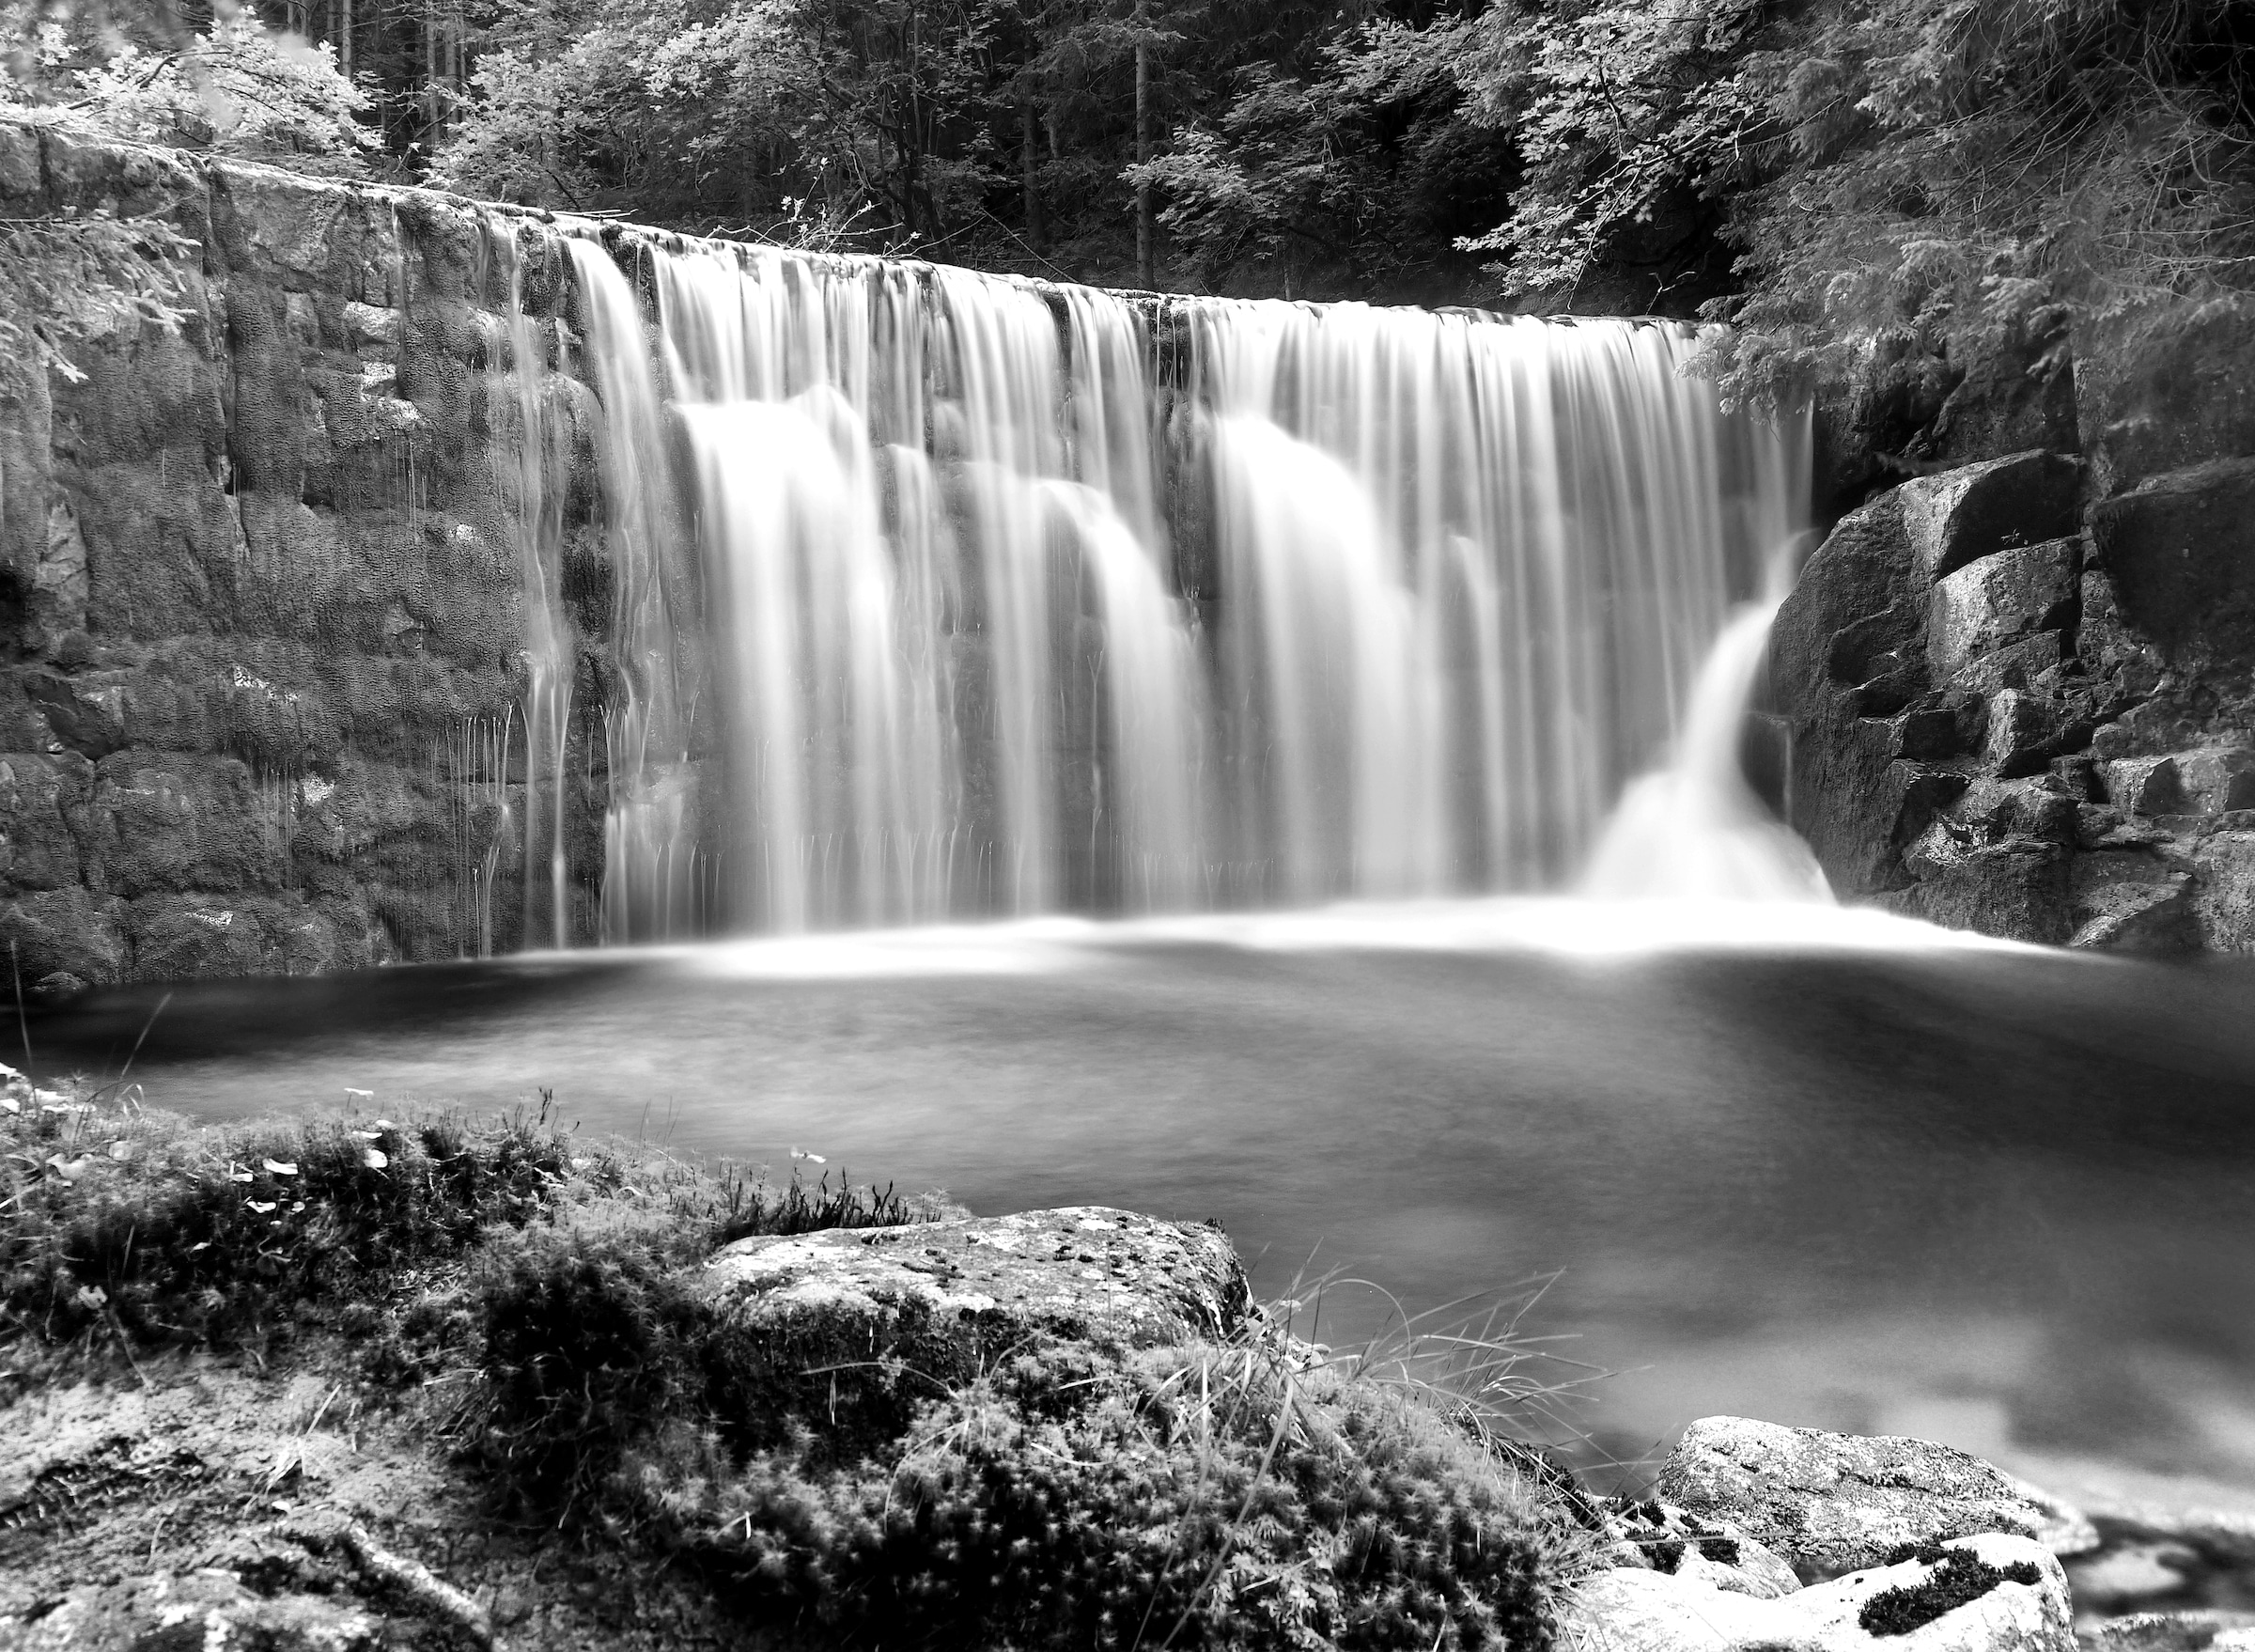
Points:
(1808, 1166)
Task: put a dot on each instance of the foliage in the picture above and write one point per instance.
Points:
(68, 278)
(233, 90)
(1352, 181)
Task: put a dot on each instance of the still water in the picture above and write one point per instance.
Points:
(1811, 1165)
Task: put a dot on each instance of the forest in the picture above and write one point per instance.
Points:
(1835, 176)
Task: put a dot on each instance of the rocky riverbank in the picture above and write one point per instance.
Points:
(355, 1382)
(2020, 690)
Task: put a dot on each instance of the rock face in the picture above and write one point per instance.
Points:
(2021, 689)
(1831, 1503)
(261, 602)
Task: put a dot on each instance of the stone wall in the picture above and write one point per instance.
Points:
(2021, 690)
(261, 589)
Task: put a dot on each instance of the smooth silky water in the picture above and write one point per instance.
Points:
(943, 606)
(1825, 1172)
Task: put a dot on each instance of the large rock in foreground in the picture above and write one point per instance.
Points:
(1837, 1502)
(848, 1330)
(1082, 1270)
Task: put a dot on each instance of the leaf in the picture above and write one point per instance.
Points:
(8, 1105)
(374, 1158)
(122, 1149)
(360, 1095)
(276, 1167)
(260, 1205)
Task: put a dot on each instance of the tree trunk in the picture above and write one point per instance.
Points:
(1143, 274)
(344, 38)
(1025, 156)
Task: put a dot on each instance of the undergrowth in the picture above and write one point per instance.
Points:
(123, 1223)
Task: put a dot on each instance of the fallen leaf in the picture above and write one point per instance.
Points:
(276, 1167)
(261, 1208)
(122, 1149)
(10, 1106)
(237, 1173)
(374, 1158)
(360, 1095)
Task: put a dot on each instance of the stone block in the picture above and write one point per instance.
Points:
(2179, 551)
(2216, 779)
(2001, 598)
(1979, 509)
(2144, 786)
(1841, 1503)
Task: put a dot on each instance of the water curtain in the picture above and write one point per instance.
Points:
(939, 595)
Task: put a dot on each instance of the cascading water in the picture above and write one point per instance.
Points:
(1695, 829)
(941, 595)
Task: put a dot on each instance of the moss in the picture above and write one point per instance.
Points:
(151, 1228)
(1202, 1495)
(1959, 1575)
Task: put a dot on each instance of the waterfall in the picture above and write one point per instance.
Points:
(1694, 829)
(938, 595)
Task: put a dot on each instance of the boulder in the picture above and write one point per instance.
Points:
(1832, 1503)
(856, 1326)
(2001, 598)
(2179, 551)
(194, 1612)
(1979, 509)
(1637, 1611)
(1085, 1270)
(2131, 900)
(2015, 889)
